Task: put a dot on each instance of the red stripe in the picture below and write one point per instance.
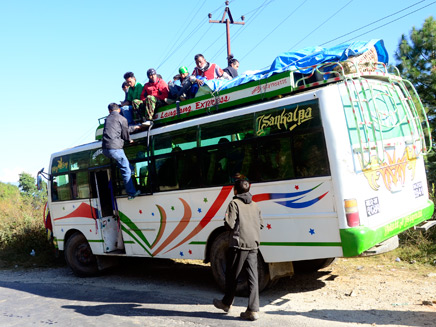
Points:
(83, 211)
(209, 215)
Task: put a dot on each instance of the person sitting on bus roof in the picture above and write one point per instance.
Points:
(188, 86)
(132, 101)
(207, 70)
(232, 68)
(154, 94)
(125, 86)
(115, 133)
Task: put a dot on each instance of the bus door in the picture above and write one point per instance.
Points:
(109, 218)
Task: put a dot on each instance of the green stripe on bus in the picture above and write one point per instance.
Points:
(300, 244)
(95, 241)
(288, 243)
(359, 239)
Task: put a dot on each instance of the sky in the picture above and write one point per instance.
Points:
(62, 62)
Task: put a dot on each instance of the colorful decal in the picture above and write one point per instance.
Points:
(83, 211)
(393, 171)
(283, 119)
(61, 166)
(133, 231)
(290, 203)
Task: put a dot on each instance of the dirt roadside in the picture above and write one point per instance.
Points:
(372, 291)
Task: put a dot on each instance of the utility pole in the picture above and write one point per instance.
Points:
(227, 21)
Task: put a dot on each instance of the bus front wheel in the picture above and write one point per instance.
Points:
(79, 256)
(218, 262)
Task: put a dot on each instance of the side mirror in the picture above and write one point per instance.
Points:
(39, 182)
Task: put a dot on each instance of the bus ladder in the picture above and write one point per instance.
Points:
(369, 119)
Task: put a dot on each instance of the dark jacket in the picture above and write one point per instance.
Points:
(244, 218)
(231, 71)
(115, 132)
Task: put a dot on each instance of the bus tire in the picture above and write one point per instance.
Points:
(79, 256)
(311, 266)
(218, 264)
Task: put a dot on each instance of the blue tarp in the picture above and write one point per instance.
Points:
(302, 58)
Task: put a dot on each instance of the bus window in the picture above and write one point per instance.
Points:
(310, 155)
(182, 139)
(275, 159)
(79, 160)
(60, 165)
(166, 173)
(234, 129)
(98, 158)
(136, 152)
(62, 183)
(80, 185)
(142, 172)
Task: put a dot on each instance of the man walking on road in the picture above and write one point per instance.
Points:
(244, 218)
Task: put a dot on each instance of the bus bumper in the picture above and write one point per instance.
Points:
(359, 239)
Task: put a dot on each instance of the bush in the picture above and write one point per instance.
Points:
(22, 230)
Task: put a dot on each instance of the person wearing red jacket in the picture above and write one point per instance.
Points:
(154, 94)
(207, 70)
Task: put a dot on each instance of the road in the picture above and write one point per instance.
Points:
(144, 292)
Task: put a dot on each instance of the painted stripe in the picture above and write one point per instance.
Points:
(137, 241)
(300, 243)
(183, 223)
(133, 227)
(225, 191)
(163, 223)
(84, 210)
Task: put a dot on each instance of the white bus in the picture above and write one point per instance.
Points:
(335, 162)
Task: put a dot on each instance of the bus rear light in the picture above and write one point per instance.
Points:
(352, 212)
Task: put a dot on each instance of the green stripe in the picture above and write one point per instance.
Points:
(137, 241)
(95, 241)
(198, 243)
(359, 239)
(300, 244)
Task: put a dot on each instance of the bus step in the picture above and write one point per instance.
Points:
(426, 225)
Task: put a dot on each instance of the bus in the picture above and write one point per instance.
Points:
(334, 156)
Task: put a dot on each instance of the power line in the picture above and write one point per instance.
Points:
(240, 30)
(391, 21)
(360, 28)
(192, 33)
(181, 32)
(258, 43)
(320, 25)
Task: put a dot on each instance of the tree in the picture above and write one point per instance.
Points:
(27, 184)
(417, 63)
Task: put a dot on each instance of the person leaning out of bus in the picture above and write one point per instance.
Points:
(154, 94)
(207, 70)
(244, 219)
(232, 68)
(115, 133)
(132, 101)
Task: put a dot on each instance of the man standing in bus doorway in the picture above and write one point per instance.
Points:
(115, 133)
(244, 219)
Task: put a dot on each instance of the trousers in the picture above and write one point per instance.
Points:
(123, 163)
(236, 260)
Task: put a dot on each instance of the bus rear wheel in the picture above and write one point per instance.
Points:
(79, 256)
(218, 262)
